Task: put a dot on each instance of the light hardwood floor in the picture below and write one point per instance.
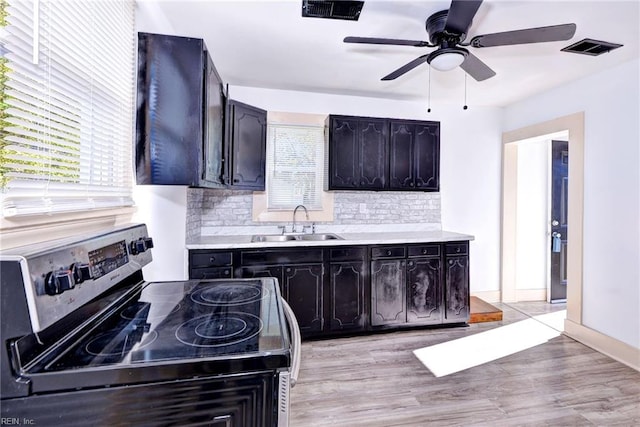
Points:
(376, 380)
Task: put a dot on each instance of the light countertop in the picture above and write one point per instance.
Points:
(376, 238)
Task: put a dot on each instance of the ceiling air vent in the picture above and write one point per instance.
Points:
(334, 9)
(591, 47)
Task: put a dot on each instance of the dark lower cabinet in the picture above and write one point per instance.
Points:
(348, 289)
(302, 288)
(388, 281)
(424, 290)
(406, 285)
(457, 297)
(346, 296)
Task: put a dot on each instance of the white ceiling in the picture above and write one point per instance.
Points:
(268, 44)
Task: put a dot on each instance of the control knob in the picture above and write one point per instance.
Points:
(141, 245)
(81, 272)
(56, 282)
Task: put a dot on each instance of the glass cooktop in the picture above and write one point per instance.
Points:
(169, 321)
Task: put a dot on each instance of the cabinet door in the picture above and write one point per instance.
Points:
(213, 144)
(302, 289)
(388, 302)
(427, 156)
(424, 297)
(372, 162)
(248, 128)
(346, 297)
(401, 155)
(457, 289)
(343, 153)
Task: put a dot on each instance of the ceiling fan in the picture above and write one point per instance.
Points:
(448, 29)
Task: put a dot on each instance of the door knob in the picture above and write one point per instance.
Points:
(555, 223)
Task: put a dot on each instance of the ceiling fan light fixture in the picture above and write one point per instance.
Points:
(447, 59)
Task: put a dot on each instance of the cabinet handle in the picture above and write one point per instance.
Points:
(226, 273)
(458, 249)
(411, 184)
(411, 265)
(288, 270)
(212, 259)
(388, 253)
(419, 184)
(450, 262)
(424, 252)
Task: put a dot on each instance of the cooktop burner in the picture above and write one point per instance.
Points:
(219, 329)
(226, 294)
(118, 344)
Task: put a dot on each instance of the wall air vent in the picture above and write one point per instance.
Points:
(334, 9)
(591, 47)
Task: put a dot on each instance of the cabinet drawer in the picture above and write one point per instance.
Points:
(456, 248)
(284, 256)
(211, 273)
(346, 254)
(210, 259)
(424, 250)
(388, 252)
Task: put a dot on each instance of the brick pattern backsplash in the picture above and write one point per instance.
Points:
(222, 208)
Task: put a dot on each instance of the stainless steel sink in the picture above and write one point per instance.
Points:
(319, 236)
(273, 237)
(289, 237)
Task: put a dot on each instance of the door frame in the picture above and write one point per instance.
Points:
(574, 124)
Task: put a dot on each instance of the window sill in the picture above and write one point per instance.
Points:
(19, 231)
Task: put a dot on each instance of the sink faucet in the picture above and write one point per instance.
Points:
(293, 227)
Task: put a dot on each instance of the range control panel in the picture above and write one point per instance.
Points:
(61, 277)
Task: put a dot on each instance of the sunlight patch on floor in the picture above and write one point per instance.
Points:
(464, 353)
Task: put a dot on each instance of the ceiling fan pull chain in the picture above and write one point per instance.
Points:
(465, 92)
(429, 93)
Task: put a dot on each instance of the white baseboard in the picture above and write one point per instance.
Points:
(531, 295)
(618, 350)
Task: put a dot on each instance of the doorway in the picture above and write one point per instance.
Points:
(541, 221)
(574, 126)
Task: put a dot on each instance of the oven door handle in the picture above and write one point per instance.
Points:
(296, 342)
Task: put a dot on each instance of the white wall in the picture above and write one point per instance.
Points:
(611, 248)
(164, 210)
(470, 158)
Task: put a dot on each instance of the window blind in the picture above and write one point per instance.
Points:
(294, 166)
(67, 105)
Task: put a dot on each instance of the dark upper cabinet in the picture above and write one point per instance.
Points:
(179, 115)
(187, 133)
(414, 153)
(357, 153)
(383, 154)
(247, 133)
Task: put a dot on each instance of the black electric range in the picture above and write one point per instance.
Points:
(85, 336)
